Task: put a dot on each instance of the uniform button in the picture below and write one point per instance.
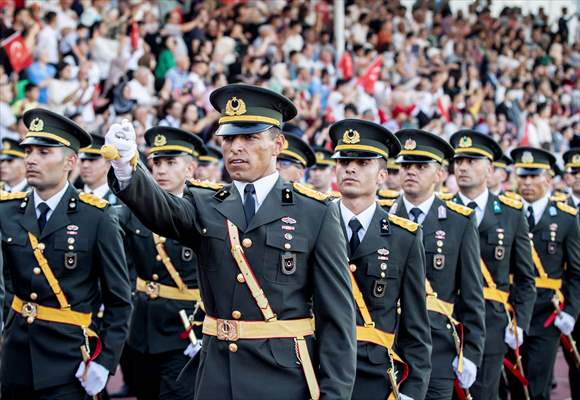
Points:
(36, 271)
(158, 257)
(71, 247)
(439, 250)
(352, 267)
(70, 240)
(33, 296)
(203, 231)
(440, 243)
(287, 246)
(137, 231)
(383, 275)
(448, 326)
(236, 314)
(155, 277)
(9, 240)
(384, 266)
(500, 242)
(500, 236)
(41, 246)
(247, 243)
(241, 278)
(531, 235)
(233, 347)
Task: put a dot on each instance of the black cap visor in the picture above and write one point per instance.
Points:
(241, 129)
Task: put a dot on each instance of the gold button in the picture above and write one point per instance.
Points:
(71, 240)
(33, 296)
(352, 267)
(439, 250)
(41, 246)
(137, 231)
(236, 314)
(500, 236)
(500, 242)
(382, 275)
(158, 257)
(36, 271)
(440, 243)
(241, 278)
(448, 326)
(233, 347)
(71, 247)
(531, 235)
(287, 246)
(155, 277)
(247, 243)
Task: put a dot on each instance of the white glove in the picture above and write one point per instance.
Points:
(565, 322)
(510, 338)
(192, 349)
(96, 377)
(467, 377)
(404, 397)
(122, 137)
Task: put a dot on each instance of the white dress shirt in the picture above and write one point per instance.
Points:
(52, 203)
(539, 206)
(263, 186)
(424, 207)
(100, 191)
(19, 187)
(481, 202)
(364, 218)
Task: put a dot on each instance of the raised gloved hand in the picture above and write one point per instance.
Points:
(192, 349)
(404, 397)
(95, 379)
(565, 322)
(121, 149)
(467, 377)
(510, 338)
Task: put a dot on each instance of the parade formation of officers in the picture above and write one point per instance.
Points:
(267, 288)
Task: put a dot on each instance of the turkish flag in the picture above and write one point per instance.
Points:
(345, 65)
(443, 107)
(134, 35)
(17, 52)
(371, 75)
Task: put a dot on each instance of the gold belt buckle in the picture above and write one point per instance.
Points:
(29, 311)
(228, 330)
(152, 290)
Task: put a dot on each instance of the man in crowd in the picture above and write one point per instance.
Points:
(296, 155)
(209, 165)
(12, 167)
(321, 174)
(94, 169)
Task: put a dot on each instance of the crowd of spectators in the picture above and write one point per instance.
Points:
(513, 76)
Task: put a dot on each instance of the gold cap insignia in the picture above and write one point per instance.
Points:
(319, 156)
(576, 158)
(235, 106)
(7, 145)
(351, 136)
(410, 144)
(36, 125)
(527, 157)
(465, 141)
(160, 140)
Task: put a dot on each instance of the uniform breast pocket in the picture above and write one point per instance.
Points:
(213, 247)
(437, 257)
(500, 244)
(285, 258)
(75, 251)
(15, 242)
(551, 243)
(383, 281)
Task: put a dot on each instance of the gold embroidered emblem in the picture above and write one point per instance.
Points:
(527, 157)
(319, 156)
(7, 145)
(465, 141)
(351, 136)
(36, 125)
(235, 106)
(410, 144)
(576, 158)
(160, 140)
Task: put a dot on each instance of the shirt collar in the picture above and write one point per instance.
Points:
(480, 200)
(100, 191)
(19, 187)
(53, 201)
(364, 217)
(424, 206)
(263, 186)
(539, 206)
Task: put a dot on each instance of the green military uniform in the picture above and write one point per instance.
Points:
(94, 152)
(166, 283)
(389, 270)
(556, 242)
(11, 150)
(289, 244)
(455, 300)
(505, 250)
(78, 263)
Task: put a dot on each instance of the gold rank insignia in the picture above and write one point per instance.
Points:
(36, 125)
(92, 200)
(319, 156)
(465, 141)
(566, 208)
(235, 106)
(205, 184)
(404, 223)
(410, 144)
(527, 157)
(351, 136)
(160, 140)
(458, 208)
(513, 203)
(313, 194)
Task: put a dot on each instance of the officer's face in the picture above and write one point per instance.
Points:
(321, 178)
(533, 187)
(12, 171)
(419, 179)
(172, 172)
(48, 167)
(207, 172)
(498, 177)
(359, 177)
(393, 179)
(248, 158)
(472, 173)
(290, 171)
(573, 181)
(94, 171)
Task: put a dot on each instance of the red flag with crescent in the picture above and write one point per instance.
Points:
(371, 75)
(17, 52)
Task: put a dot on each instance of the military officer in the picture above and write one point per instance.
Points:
(555, 239)
(501, 175)
(64, 254)
(321, 174)
(454, 282)
(296, 155)
(12, 169)
(504, 248)
(209, 165)
(393, 181)
(94, 170)
(166, 277)
(267, 256)
(386, 266)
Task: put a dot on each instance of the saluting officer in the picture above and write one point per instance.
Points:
(209, 165)
(454, 281)
(504, 249)
(166, 277)
(267, 256)
(386, 266)
(555, 239)
(12, 169)
(94, 169)
(296, 155)
(63, 251)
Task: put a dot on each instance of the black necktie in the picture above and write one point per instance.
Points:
(472, 205)
(415, 214)
(249, 202)
(355, 226)
(44, 209)
(531, 218)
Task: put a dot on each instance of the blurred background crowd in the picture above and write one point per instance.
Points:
(510, 74)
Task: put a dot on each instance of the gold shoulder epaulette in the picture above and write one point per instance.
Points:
(404, 223)
(5, 196)
(388, 194)
(306, 191)
(513, 203)
(93, 200)
(513, 195)
(566, 208)
(335, 194)
(460, 209)
(386, 202)
(559, 196)
(205, 184)
(445, 196)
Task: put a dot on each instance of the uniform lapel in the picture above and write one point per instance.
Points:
(401, 210)
(545, 220)
(59, 217)
(431, 222)
(343, 227)
(231, 207)
(271, 209)
(489, 219)
(373, 238)
(28, 220)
